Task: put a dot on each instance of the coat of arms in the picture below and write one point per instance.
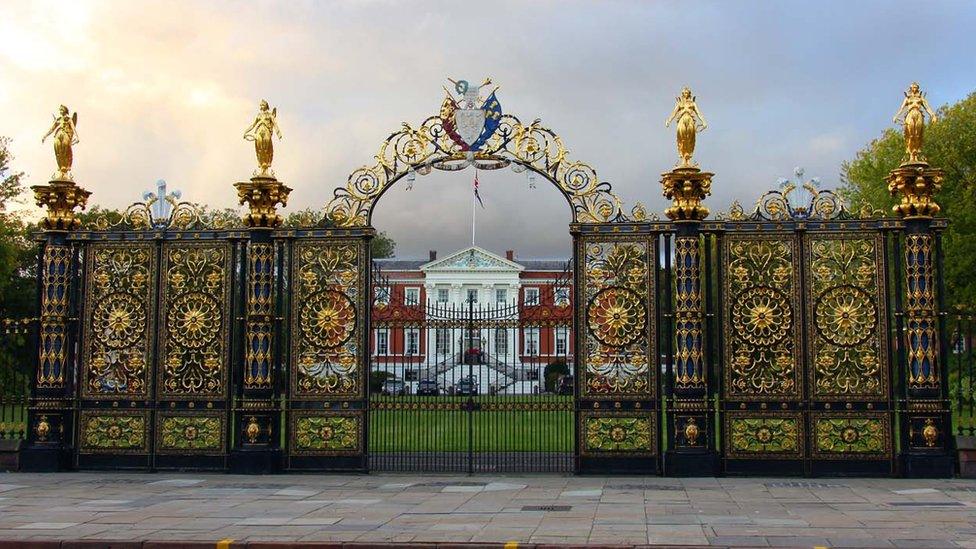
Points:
(467, 124)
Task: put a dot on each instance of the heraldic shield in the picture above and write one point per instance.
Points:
(468, 126)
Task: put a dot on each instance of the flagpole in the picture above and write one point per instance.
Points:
(474, 210)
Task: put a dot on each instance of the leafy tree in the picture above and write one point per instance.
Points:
(382, 246)
(950, 144)
(18, 275)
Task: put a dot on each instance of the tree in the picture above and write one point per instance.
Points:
(950, 144)
(382, 246)
(18, 275)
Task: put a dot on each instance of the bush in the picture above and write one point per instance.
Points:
(377, 379)
(553, 371)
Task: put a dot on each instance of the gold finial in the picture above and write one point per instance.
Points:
(911, 115)
(261, 131)
(65, 130)
(690, 122)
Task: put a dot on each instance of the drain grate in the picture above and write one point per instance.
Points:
(441, 484)
(662, 487)
(927, 504)
(801, 484)
(546, 507)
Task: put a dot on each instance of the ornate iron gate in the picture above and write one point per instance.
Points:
(462, 385)
(155, 339)
(801, 339)
(805, 324)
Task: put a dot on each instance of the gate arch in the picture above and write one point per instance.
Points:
(602, 266)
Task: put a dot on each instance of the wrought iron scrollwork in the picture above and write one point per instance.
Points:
(823, 205)
(615, 307)
(521, 146)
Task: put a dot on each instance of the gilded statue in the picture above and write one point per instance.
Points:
(690, 122)
(65, 133)
(911, 115)
(265, 125)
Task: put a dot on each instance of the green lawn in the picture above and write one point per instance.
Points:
(419, 430)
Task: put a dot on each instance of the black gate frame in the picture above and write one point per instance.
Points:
(623, 402)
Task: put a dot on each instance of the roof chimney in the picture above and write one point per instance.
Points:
(433, 254)
(510, 255)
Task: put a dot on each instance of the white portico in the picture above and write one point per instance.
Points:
(472, 273)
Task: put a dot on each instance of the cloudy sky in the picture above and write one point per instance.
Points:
(165, 89)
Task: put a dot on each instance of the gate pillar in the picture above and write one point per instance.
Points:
(690, 411)
(257, 447)
(50, 416)
(926, 441)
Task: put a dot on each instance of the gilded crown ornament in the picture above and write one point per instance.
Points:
(61, 196)
(686, 185)
(261, 132)
(263, 192)
(914, 181)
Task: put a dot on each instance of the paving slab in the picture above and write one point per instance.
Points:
(539, 509)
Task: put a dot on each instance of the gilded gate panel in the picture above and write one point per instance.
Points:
(618, 434)
(851, 435)
(194, 320)
(326, 434)
(847, 326)
(761, 310)
(617, 319)
(327, 319)
(766, 435)
(191, 432)
(117, 432)
(118, 320)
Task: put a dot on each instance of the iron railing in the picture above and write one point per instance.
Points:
(962, 372)
(15, 346)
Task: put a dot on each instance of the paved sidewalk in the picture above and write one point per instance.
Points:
(527, 509)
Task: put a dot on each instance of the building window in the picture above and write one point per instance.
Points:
(531, 341)
(442, 295)
(382, 342)
(382, 295)
(412, 337)
(532, 296)
(442, 341)
(562, 341)
(501, 342)
(560, 296)
(472, 295)
(501, 295)
(411, 296)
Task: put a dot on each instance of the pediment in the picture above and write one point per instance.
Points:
(472, 259)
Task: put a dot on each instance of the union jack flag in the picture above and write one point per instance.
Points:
(476, 194)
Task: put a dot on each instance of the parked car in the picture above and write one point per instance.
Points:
(467, 387)
(428, 387)
(394, 388)
(565, 385)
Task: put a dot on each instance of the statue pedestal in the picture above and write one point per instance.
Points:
(262, 194)
(686, 187)
(917, 184)
(39, 458)
(60, 198)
